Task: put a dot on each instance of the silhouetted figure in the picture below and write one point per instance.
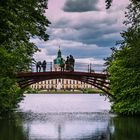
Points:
(38, 66)
(67, 64)
(62, 64)
(71, 62)
(44, 64)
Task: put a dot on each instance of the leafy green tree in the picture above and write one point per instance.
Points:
(109, 2)
(20, 20)
(124, 67)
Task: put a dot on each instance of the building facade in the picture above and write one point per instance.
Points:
(65, 84)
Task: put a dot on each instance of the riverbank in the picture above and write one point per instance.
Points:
(84, 91)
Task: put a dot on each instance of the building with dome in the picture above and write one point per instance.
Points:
(64, 84)
(57, 61)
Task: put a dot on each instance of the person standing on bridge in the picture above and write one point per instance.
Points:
(38, 66)
(67, 64)
(44, 64)
(71, 62)
(62, 64)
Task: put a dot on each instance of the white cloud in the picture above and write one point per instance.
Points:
(86, 35)
(91, 60)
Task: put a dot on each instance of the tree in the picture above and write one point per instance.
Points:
(123, 66)
(20, 21)
(109, 2)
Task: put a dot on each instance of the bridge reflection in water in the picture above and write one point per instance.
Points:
(66, 117)
(70, 126)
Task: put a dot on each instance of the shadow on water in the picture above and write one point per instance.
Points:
(11, 128)
(125, 128)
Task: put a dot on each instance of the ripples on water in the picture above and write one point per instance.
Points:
(67, 117)
(66, 126)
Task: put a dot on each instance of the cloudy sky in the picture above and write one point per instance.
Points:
(83, 28)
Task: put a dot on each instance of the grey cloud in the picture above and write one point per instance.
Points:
(80, 5)
(91, 32)
(95, 53)
(82, 22)
(77, 49)
(97, 36)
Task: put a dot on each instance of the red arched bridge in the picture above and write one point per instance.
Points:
(99, 80)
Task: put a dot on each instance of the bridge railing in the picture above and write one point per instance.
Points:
(83, 67)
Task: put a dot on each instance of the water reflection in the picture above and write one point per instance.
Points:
(66, 117)
(29, 123)
(125, 128)
(67, 126)
(11, 128)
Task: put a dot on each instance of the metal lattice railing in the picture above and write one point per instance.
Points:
(83, 67)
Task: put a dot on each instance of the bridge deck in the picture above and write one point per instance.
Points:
(60, 73)
(98, 80)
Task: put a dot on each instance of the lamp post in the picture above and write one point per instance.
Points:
(90, 67)
(50, 66)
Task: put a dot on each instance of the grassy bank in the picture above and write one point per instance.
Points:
(85, 91)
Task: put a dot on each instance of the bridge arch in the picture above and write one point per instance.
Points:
(95, 79)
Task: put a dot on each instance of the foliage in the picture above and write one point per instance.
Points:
(92, 90)
(10, 94)
(109, 2)
(123, 66)
(30, 90)
(19, 21)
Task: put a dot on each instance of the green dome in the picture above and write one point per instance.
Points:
(58, 59)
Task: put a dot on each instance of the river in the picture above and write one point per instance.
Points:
(67, 117)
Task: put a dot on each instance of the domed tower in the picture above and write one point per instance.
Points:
(57, 61)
